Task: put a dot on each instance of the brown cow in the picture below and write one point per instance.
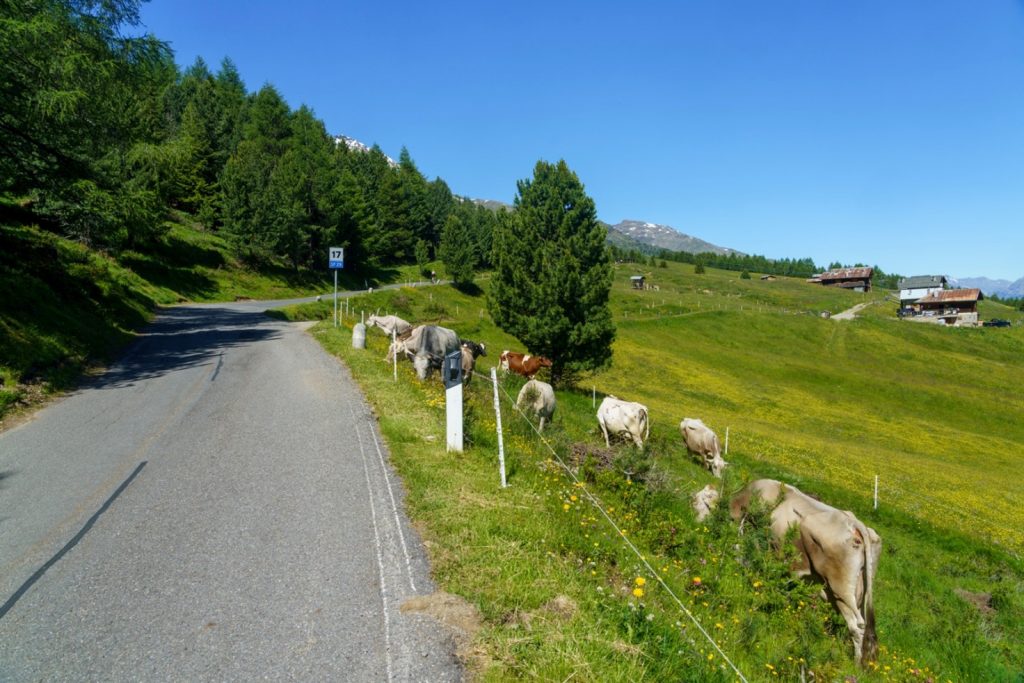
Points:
(523, 363)
(835, 548)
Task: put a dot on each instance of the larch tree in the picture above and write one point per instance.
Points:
(552, 273)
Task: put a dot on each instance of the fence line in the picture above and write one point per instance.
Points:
(597, 504)
(961, 514)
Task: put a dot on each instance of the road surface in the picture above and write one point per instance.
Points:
(217, 506)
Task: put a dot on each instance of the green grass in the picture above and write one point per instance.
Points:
(820, 403)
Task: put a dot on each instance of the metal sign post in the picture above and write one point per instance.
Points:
(452, 375)
(336, 261)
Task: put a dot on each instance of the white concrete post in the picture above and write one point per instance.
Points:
(497, 415)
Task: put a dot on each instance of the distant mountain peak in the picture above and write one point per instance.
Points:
(358, 146)
(1003, 288)
(667, 237)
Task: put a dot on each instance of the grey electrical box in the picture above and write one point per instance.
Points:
(452, 370)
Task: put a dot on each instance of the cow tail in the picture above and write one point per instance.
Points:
(869, 646)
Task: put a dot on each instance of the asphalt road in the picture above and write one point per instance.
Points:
(216, 506)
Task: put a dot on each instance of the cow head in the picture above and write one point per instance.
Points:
(715, 464)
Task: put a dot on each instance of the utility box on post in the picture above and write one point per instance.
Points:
(451, 373)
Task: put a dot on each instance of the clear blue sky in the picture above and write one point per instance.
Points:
(889, 133)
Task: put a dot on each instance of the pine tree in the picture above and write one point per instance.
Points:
(458, 251)
(552, 273)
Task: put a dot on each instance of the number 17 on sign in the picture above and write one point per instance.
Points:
(336, 261)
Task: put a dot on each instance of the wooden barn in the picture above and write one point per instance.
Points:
(857, 279)
(950, 306)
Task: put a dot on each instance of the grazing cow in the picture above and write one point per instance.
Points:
(426, 346)
(523, 363)
(468, 363)
(703, 442)
(539, 398)
(623, 418)
(389, 324)
(477, 349)
(835, 548)
(704, 501)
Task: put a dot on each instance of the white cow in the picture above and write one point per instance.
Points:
(389, 324)
(703, 442)
(704, 501)
(539, 398)
(835, 548)
(623, 418)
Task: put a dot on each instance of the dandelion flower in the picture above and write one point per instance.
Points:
(696, 581)
(638, 592)
(565, 507)
(640, 580)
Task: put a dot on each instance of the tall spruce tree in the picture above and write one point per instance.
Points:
(458, 251)
(552, 273)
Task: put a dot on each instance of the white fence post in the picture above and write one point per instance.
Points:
(876, 491)
(394, 352)
(727, 441)
(497, 415)
(593, 396)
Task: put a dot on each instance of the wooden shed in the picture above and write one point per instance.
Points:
(857, 279)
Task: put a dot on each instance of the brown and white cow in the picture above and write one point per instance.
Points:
(618, 417)
(703, 442)
(836, 549)
(523, 363)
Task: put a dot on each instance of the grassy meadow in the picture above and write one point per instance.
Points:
(820, 403)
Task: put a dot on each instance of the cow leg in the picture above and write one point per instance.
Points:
(840, 569)
(604, 430)
(541, 424)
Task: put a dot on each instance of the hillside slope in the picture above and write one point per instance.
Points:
(821, 403)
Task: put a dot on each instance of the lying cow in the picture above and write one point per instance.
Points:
(538, 398)
(523, 363)
(835, 548)
(704, 501)
(703, 442)
(426, 346)
(389, 324)
(622, 418)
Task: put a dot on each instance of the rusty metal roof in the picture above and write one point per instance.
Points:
(951, 296)
(848, 274)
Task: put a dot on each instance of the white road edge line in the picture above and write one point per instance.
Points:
(380, 554)
(394, 509)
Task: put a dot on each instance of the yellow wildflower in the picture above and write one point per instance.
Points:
(638, 592)
(640, 580)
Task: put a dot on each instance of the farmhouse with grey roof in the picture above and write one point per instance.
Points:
(919, 286)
